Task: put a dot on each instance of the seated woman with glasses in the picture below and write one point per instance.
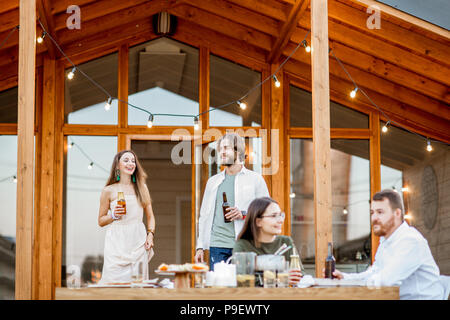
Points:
(261, 233)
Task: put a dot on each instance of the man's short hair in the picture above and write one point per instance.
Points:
(237, 142)
(395, 201)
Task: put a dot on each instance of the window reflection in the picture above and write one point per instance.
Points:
(83, 239)
(163, 78)
(350, 200)
(229, 82)
(8, 105)
(340, 116)
(8, 191)
(423, 179)
(84, 101)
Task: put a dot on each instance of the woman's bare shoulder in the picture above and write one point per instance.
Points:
(108, 190)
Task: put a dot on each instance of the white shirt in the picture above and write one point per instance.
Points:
(405, 260)
(248, 185)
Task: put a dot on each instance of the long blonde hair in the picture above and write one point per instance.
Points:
(139, 186)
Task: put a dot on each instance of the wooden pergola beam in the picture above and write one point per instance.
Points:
(236, 13)
(321, 131)
(8, 5)
(410, 19)
(25, 142)
(381, 49)
(46, 19)
(287, 30)
(97, 9)
(391, 32)
(273, 9)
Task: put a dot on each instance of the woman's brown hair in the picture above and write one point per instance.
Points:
(141, 190)
(255, 210)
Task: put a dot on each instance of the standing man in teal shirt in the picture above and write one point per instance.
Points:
(241, 187)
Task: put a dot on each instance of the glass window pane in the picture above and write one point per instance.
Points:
(8, 105)
(229, 82)
(170, 185)
(425, 179)
(163, 78)
(83, 238)
(84, 101)
(340, 116)
(8, 191)
(350, 200)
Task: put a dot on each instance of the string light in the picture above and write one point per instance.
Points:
(150, 121)
(40, 39)
(14, 179)
(292, 195)
(90, 165)
(242, 105)
(353, 92)
(70, 145)
(196, 126)
(405, 189)
(108, 104)
(344, 211)
(71, 74)
(306, 46)
(277, 83)
(408, 216)
(385, 127)
(429, 147)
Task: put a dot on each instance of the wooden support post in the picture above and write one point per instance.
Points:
(277, 145)
(375, 169)
(321, 130)
(203, 85)
(43, 239)
(25, 143)
(123, 95)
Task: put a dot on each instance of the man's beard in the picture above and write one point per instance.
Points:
(384, 228)
(229, 161)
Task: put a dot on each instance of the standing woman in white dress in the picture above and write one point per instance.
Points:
(127, 241)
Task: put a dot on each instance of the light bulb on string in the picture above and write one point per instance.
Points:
(90, 165)
(344, 211)
(196, 126)
(429, 147)
(292, 195)
(277, 83)
(108, 104)
(14, 179)
(70, 145)
(242, 105)
(71, 74)
(385, 127)
(306, 46)
(405, 189)
(150, 121)
(40, 39)
(353, 92)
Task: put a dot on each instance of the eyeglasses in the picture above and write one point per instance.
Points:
(277, 215)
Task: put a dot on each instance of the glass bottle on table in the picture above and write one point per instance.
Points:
(295, 263)
(121, 201)
(330, 262)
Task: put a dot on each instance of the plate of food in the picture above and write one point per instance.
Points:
(171, 269)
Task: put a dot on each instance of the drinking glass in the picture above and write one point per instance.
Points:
(270, 278)
(137, 273)
(283, 276)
